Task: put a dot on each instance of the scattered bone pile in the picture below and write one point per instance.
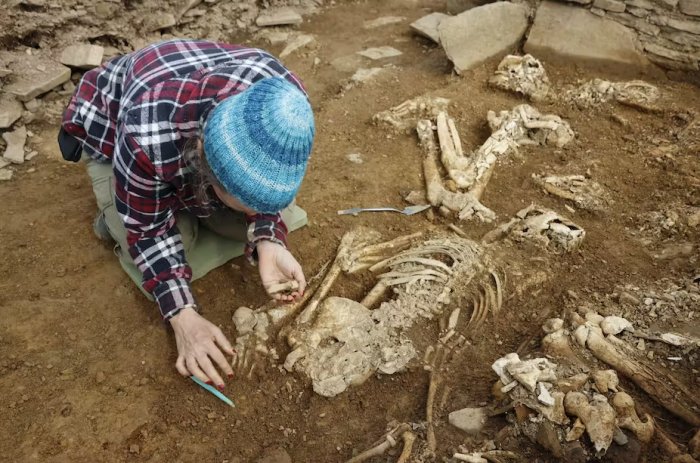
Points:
(559, 399)
(579, 189)
(521, 126)
(541, 226)
(526, 75)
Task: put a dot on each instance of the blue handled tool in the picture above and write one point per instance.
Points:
(213, 390)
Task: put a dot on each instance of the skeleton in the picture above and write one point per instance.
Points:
(524, 125)
(543, 227)
(583, 192)
(526, 75)
(403, 117)
(522, 74)
(636, 93)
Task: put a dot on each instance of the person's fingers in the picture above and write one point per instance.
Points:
(208, 367)
(221, 340)
(298, 275)
(193, 367)
(181, 367)
(220, 360)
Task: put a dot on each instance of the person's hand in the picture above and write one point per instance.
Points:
(278, 265)
(199, 342)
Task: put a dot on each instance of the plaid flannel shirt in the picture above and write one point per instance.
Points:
(138, 111)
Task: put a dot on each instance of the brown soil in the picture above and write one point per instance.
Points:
(87, 366)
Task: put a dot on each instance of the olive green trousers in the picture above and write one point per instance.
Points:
(208, 242)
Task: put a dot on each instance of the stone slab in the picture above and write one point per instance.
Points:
(15, 145)
(482, 33)
(279, 17)
(297, 43)
(380, 52)
(427, 26)
(33, 76)
(690, 7)
(83, 56)
(616, 6)
(382, 21)
(10, 111)
(567, 32)
(469, 420)
(160, 21)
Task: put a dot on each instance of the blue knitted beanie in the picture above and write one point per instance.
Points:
(257, 143)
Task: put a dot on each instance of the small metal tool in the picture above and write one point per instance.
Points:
(410, 210)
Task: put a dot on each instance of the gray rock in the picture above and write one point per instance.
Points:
(470, 420)
(83, 56)
(482, 33)
(5, 174)
(15, 145)
(616, 6)
(279, 17)
(32, 105)
(690, 7)
(33, 76)
(571, 33)
(160, 21)
(379, 52)
(427, 26)
(10, 111)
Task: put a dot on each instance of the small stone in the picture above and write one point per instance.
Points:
(10, 111)
(274, 455)
(469, 420)
(100, 377)
(5, 175)
(627, 298)
(383, 21)
(135, 449)
(31, 155)
(363, 75)
(297, 43)
(641, 345)
(160, 21)
(650, 355)
(648, 301)
(279, 17)
(355, 158)
(544, 396)
(275, 37)
(15, 145)
(82, 56)
(694, 219)
(380, 52)
(616, 6)
(427, 26)
(32, 105)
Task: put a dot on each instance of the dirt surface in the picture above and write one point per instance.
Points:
(87, 366)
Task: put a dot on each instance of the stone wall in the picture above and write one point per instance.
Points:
(669, 30)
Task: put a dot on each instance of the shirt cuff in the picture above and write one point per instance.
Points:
(172, 296)
(267, 228)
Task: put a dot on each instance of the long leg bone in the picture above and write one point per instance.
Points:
(388, 441)
(466, 204)
(664, 388)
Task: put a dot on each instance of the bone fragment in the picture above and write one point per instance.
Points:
(404, 116)
(466, 204)
(598, 417)
(408, 439)
(522, 74)
(627, 418)
(662, 387)
(430, 402)
(606, 380)
(374, 295)
(384, 444)
(286, 287)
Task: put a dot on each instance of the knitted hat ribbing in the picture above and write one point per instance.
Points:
(257, 143)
